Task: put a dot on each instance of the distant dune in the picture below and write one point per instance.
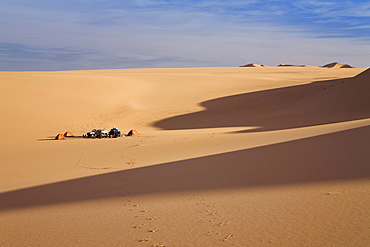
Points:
(253, 65)
(329, 65)
(337, 65)
(292, 65)
(289, 65)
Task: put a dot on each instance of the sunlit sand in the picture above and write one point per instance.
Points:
(247, 156)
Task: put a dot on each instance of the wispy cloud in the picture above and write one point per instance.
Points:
(83, 34)
(332, 8)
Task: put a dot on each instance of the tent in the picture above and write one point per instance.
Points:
(132, 133)
(68, 134)
(59, 137)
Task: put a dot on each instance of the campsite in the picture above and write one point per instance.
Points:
(98, 133)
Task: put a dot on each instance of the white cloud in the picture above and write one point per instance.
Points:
(334, 9)
(208, 33)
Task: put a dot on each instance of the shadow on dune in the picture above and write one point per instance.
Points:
(317, 103)
(339, 156)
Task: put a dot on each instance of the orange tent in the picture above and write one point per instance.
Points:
(132, 133)
(59, 137)
(68, 134)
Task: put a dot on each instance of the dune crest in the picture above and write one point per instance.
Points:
(253, 65)
(337, 65)
(347, 97)
(364, 76)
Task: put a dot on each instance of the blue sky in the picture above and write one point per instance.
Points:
(112, 34)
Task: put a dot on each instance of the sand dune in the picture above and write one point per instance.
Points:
(317, 103)
(329, 65)
(289, 65)
(253, 65)
(258, 156)
(281, 65)
(294, 65)
(337, 65)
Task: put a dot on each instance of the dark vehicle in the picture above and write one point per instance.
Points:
(96, 133)
(114, 133)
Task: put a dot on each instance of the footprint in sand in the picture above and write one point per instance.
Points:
(223, 223)
(214, 213)
(208, 209)
(123, 185)
(131, 163)
(211, 233)
(139, 226)
(143, 240)
(229, 237)
(153, 230)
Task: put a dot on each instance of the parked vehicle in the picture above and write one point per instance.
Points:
(96, 133)
(114, 133)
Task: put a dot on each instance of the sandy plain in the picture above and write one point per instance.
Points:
(260, 156)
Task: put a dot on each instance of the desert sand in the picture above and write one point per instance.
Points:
(259, 156)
